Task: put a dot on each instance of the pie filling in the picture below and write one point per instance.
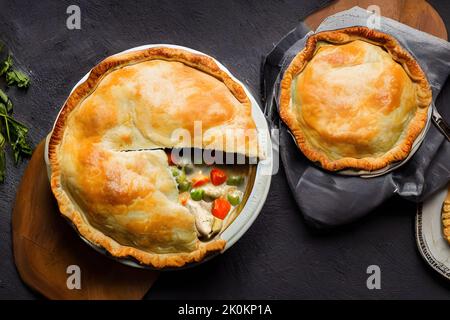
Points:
(212, 193)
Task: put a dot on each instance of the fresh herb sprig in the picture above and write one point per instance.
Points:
(6, 65)
(16, 135)
(17, 78)
(6, 101)
(12, 132)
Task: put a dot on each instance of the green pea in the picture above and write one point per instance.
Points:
(175, 172)
(184, 185)
(197, 194)
(181, 177)
(235, 180)
(233, 198)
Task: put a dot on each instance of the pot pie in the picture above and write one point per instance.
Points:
(112, 171)
(354, 99)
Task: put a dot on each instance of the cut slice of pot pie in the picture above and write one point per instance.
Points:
(354, 99)
(112, 171)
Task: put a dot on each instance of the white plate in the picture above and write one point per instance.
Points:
(430, 240)
(263, 177)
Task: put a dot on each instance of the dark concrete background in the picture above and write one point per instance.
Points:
(279, 257)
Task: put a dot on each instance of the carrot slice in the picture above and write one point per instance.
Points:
(220, 208)
(199, 180)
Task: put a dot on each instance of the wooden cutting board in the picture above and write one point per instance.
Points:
(46, 246)
(418, 14)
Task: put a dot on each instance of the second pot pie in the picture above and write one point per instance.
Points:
(354, 99)
(111, 175)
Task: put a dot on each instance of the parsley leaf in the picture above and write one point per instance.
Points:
(18, 78)
(6, 65)
(2, 158)
(4, 99)
(19, 144)
(16, 134)
(12, 132)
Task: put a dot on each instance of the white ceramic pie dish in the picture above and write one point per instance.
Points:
(263, 176)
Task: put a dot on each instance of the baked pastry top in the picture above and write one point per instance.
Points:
(110, 174)
(354, 98)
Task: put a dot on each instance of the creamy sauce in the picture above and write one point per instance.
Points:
(206, 223)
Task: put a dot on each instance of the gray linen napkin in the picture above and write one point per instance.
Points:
(328, 199)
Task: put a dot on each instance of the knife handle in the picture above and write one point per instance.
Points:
(442, 126)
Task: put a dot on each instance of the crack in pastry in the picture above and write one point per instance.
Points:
(111, 175)
(354, 98)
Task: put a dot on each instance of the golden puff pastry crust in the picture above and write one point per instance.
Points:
(446, 216)
(354, 99)
(107, 176)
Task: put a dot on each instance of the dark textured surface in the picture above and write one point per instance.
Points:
(279, 257)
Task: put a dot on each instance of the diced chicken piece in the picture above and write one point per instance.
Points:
(203, 218)
(217, 191)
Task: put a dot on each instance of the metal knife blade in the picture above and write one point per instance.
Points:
(440, 123)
